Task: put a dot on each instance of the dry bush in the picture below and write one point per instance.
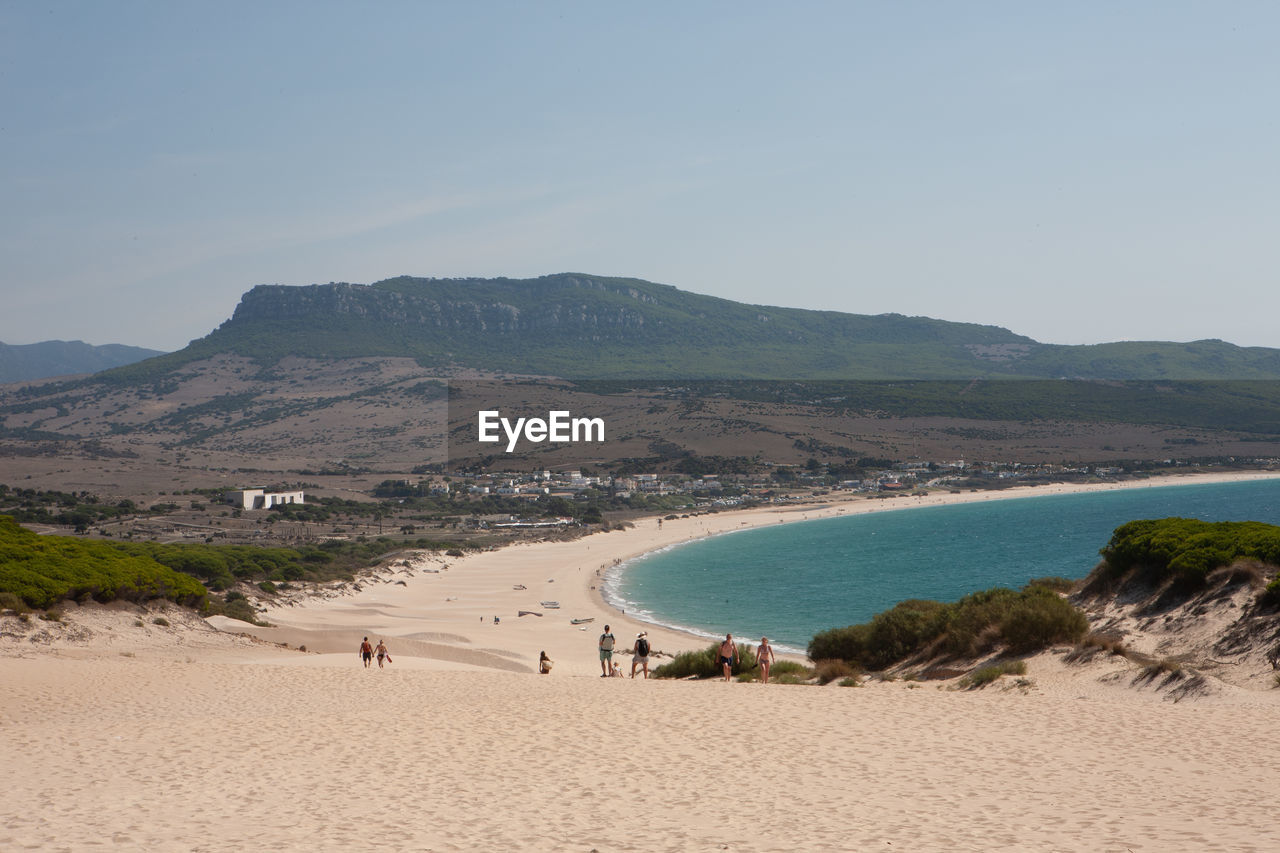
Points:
(828, 671)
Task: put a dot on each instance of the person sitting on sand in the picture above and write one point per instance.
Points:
(615, 671)
(640, 654)
(544, 663)
(764, 657)
(728, 655)
(366, 652)
(606, 651)
(382, 653)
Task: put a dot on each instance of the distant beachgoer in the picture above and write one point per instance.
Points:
(544, 663)
(495, 620)
(606, 651)
(728, 655)
(366, 652)
(764, 657)
(382, 653)
(640, 654)
(615, 671)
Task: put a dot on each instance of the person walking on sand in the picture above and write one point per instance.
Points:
(606, 652)
(728, 655)
(640, 654)
(764, 657)
(544, 663)
(382, 653)
(366, 652)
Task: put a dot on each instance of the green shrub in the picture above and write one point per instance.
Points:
(701, 663)
(792, 668)
(161, 621)
(234, 606)
(789, 678)
(705, 663)
(268, 587)
(1271, 595)
(1021, 620)
(987, 674)
(1185, 549)
(1055, 584)
(1039, 619)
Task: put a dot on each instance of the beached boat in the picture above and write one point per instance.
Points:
(582, 621)
(519, 586)
(550, 605)
(528, 613)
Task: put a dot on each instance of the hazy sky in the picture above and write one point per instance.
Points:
(1078, 172)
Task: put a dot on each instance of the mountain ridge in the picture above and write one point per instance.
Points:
(46, 359)
(582, 326)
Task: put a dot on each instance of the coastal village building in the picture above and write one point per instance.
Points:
(261, 498)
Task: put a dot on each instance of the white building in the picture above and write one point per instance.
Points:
(261, 498)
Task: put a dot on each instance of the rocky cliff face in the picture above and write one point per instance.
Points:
(592, 308)
(485, 313)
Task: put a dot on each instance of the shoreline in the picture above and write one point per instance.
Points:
(860, 505)
(443, 609)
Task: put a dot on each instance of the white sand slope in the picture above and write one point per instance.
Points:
(115, 735)
(148, 753)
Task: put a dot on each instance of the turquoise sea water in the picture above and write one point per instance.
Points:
(790, 581)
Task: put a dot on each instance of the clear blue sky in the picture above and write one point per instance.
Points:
(1076, 172)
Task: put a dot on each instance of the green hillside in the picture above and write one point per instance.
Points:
(592, 327)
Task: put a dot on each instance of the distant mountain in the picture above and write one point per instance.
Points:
(22, 362)
(582, 326)
(392, 374)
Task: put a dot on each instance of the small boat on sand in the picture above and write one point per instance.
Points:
(550, 605)
(582, 621)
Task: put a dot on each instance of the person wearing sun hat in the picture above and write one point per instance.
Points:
(640, 654)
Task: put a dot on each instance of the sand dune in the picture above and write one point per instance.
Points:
(128, 736)
(154, 754)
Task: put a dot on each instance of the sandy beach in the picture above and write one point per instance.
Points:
(118, 732)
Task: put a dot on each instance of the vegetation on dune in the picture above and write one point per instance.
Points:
(1184, 551)
(1019, 621)
(221, 566)
(986, 675)
(705, 663)
(42, 570)
(1187, 549)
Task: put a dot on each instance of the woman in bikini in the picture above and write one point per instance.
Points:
(764, 657)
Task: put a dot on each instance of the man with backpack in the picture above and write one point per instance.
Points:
(640, 654)
(606, 652)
